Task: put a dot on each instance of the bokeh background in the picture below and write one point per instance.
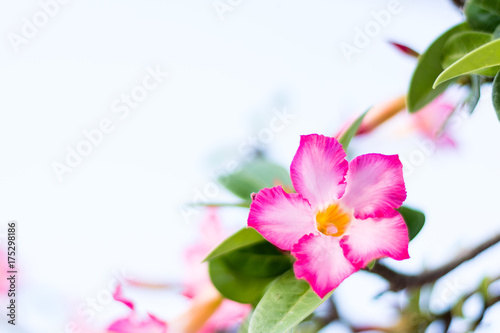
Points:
(123, 210)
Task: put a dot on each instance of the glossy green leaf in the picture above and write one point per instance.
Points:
(495, 94)
(347, 136)
(243, 275)
(462, 43)
(482, 58)
(428, 69)
(244, 237)
(285, 304)
(482, 15)
(414, 220)
(254, 176)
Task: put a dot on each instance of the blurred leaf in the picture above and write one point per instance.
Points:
(462, 43)
(493, 6)
(254, 176)
(371, 264)
(285, 304)
(495, 95)
(482, 15)
(483, 288)
(496, 33)
(347, 136)
(479, 60)
(428, 68)
(457, 308)
(414, 219)
(240, 239)
(244, 274)
(475, 92)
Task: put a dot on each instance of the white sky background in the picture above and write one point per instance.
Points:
(119, 209)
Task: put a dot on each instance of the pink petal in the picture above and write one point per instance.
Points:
(371, 239)
(280, 217)
(228, 315)
(318, 169)
(132, 325)
(321, 262)
(431, 119)
(196, 276)
(375, 185)
(118, 296)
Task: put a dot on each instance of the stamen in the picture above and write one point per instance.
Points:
(333, 221)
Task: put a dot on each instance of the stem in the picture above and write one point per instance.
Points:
(399, 281)
(380, 113)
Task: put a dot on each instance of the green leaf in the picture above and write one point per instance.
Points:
(483, 288)
(347, 136)
(244, 237)
(428, 68)
(371, 264)
(482, 58)
(482, 15)
(460, 44)
(493, 6)
(254, 176)
(414, 219)
(286, 303)
(456, 309)
(243, 275)
(495, 94)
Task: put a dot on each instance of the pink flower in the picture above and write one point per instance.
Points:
(197, 281)
(133, 323)
(342, 217)
(430, 121)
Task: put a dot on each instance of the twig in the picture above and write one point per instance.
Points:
(399, 281)
(459, 3)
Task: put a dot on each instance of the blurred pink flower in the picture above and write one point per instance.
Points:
(133, 323)
(431, 120)
(4, 283)
(197, 280)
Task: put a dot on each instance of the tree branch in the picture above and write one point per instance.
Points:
(399, 281)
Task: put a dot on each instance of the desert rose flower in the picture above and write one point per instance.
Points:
(342, 217)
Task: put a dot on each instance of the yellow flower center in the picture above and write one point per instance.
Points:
(333, 221)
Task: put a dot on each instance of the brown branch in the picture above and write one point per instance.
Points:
(399, 281)
(459, 3)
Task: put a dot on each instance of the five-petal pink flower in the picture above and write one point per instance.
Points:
(342, 217)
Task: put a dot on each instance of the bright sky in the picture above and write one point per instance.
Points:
(119, 208)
